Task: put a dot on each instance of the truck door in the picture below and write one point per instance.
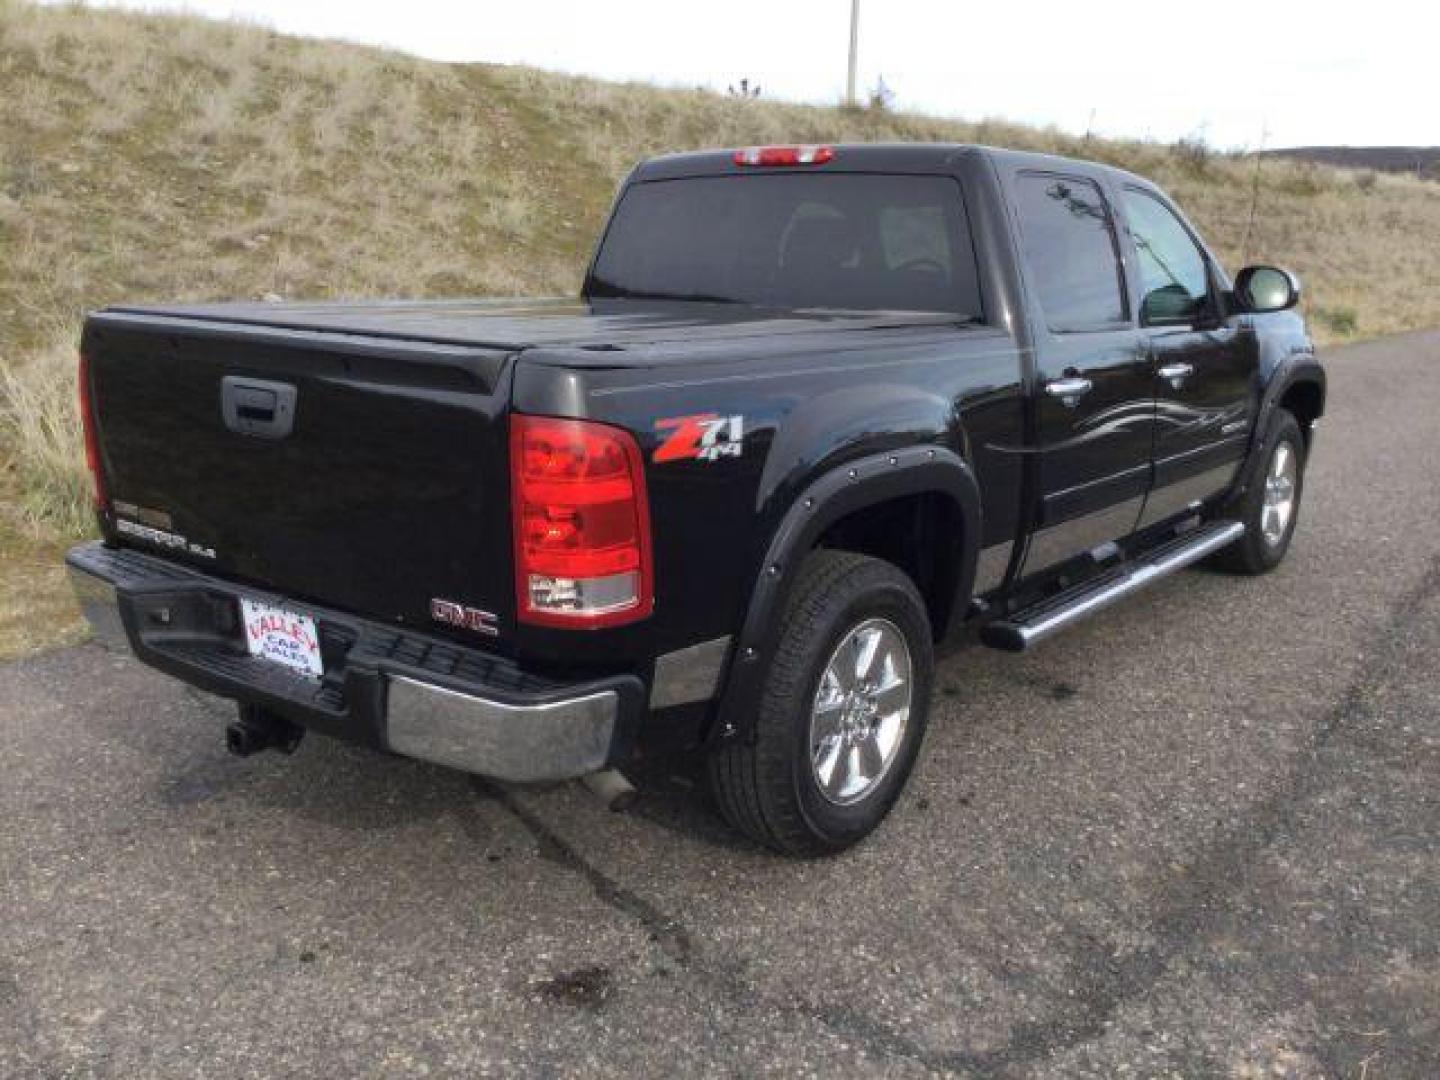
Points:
(1205, 386)
(1094, 393)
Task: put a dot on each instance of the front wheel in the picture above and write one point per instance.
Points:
(842, 712)
(1270, 506)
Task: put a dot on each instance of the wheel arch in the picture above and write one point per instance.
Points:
(930, 480)
(914, 532)
(1304, 398)
(1298, 386)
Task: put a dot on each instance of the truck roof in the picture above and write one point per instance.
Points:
(873, 157)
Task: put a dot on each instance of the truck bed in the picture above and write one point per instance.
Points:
(392, 489)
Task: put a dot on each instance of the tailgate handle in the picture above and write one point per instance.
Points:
(257, 406)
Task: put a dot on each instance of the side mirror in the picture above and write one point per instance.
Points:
(1266, 288)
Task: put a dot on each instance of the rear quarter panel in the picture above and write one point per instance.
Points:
(803, 412)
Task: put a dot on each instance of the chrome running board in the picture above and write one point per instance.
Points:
(1017, 632)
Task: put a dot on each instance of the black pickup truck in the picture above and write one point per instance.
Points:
(816, 409)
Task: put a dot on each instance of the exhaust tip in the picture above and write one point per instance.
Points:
(612, 789)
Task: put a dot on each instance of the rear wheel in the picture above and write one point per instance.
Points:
(1270, 506)
(842, 712)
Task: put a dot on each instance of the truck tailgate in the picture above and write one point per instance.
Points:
(390, 487)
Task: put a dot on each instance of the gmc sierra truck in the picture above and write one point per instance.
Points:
(816, 409)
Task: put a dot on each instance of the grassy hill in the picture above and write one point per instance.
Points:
(147, 157)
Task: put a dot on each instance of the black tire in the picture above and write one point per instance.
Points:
(767, 786)
(1255, 553)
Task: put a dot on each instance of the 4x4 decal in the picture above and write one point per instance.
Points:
(706, 436)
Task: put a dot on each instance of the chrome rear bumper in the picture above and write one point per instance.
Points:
(392, 689)
(554, 741)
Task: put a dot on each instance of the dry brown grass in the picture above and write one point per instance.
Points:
(35, 606)
(147, 157)
(40, 428)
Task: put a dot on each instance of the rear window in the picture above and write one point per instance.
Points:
(790, 240)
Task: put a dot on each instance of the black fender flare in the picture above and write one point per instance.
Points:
(1300, 367)
(852, 486)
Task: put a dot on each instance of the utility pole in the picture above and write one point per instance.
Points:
(854, 49)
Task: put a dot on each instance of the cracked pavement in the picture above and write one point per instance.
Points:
(1195, 836)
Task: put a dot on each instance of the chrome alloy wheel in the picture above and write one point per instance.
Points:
(1279, 503)
(861, 709)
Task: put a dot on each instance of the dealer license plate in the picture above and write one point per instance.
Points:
(273, 633)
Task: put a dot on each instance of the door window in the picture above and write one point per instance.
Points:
(1174, 279)
(1070, 256)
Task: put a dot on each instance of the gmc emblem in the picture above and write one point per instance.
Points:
(466, 618)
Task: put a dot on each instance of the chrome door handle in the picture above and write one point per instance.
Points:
(1177, 373)
(1069, 389)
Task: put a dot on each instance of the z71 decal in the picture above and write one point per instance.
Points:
(706, 437)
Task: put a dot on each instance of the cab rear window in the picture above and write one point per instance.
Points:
(790, 240)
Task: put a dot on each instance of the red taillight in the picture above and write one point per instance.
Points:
(582, 523)
(784, 155)
(92, 441)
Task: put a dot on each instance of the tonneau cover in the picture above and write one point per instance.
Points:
(521, 324)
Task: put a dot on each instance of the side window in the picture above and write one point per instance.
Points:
(1174, 281)
(1069, 248)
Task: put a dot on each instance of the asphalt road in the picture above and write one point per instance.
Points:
(1197, 836)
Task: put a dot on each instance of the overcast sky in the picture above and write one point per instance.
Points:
(1306, 72)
